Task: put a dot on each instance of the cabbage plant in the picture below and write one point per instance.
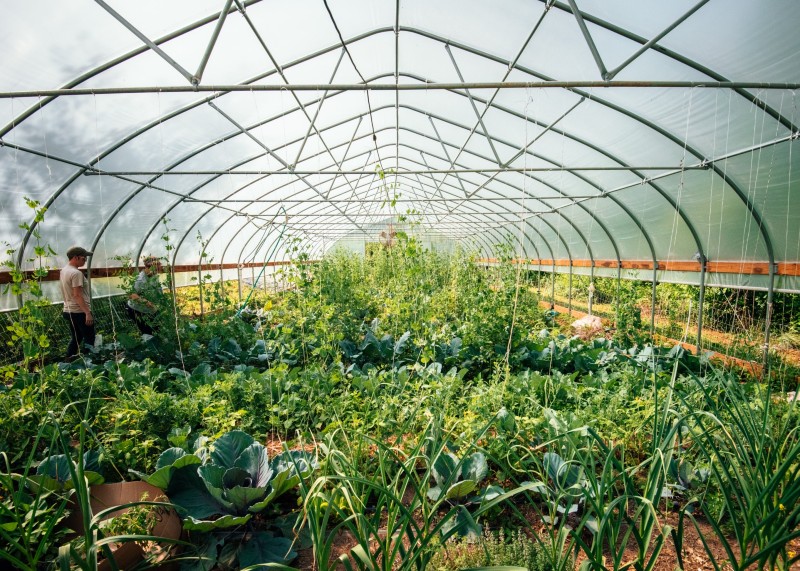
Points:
(224, 485)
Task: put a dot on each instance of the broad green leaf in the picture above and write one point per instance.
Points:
(229, 447)
(280, 484)
(169, 457)
(294, 460)
(563, 474)
(56, 467)
(475, 467)
(241, 497)
(161, 477)
(235, 477)
(490, 493)
(187, 490)
(254, 461)
(226, 521)
(463, 525)
(262, 547)
(213, 477)
(435, 493)
(91, 461)
(461, 489)
(443, 467)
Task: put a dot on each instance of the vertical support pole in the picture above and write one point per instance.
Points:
(569, 299)
(239, 280)
(253, 276)
(767, 325)
(616, 301)
(702, 259)
(653, 305)
(539, 280)
(591, 287)
(200, 287)
(553, 284)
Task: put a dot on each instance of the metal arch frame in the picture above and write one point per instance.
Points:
(754, 212)
(767, 109)
(686, 61)
(213, 178)
(751, 209)
(259, 123)
(311, 56)
(677, 57)
(508, 144)
(245, 161)
(300, 214)
(346, 120)
(112, 63)
(506, 183)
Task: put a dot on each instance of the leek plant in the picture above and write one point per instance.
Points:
(754, 458)
(397, 518)
(30, 516)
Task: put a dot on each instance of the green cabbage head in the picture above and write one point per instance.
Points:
(224, 487)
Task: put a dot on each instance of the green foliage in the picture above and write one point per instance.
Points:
(492, 550)
(28, 334)
(754, 458)
(220, 487)
(30, 518)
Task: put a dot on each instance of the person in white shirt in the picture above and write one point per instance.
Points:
(77, 311)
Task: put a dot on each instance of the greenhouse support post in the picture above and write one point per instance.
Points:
(767, 325)
(591, 287)
(619, 283)
(239, 281)
(653, 304)
(200, 287)
(539, 279)
(702, 259)
(569, 304)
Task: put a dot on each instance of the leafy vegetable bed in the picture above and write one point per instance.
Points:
(417, 399)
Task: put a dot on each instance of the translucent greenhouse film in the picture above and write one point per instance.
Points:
(633, 135)
(479, 214)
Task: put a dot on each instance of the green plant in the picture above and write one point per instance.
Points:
(754, 459)
(30, 517)
(55, 472)
(395, 521)
(85, 551)
(29, 334)
(456, 482)
(494, 549)
(221, 486)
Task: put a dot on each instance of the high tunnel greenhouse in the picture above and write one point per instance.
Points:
(325, 272)
(649, 139)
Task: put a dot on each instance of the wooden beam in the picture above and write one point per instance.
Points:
(747, 268)
(53, 275)
(718, 267)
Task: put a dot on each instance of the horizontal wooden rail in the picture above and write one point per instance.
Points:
(52, 275)
(749, 268)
